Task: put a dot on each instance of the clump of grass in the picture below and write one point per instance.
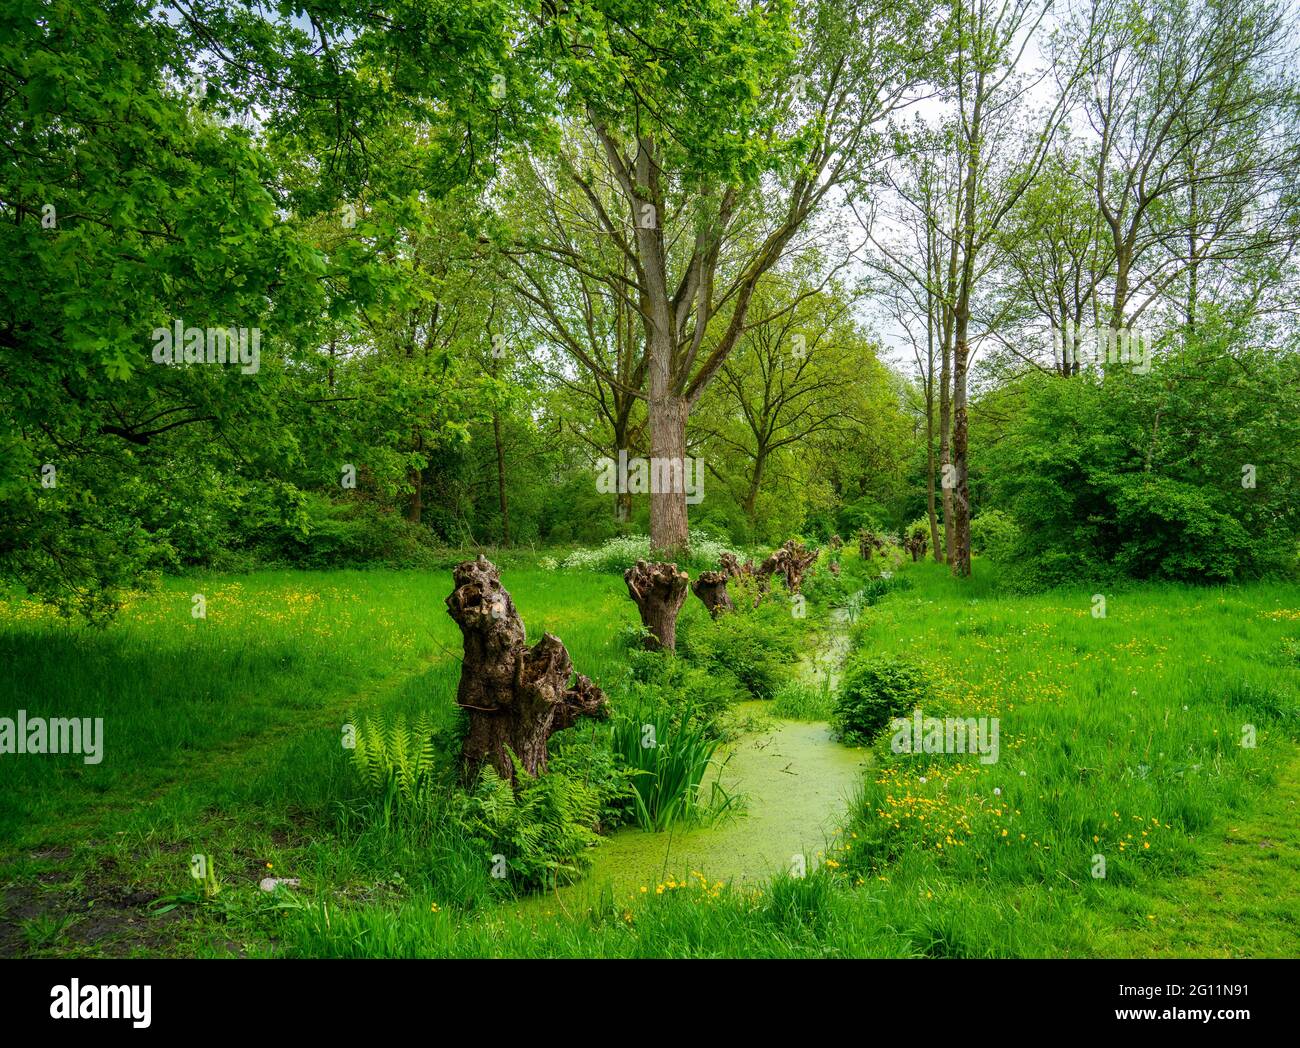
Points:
(800, 700)
(669, 755)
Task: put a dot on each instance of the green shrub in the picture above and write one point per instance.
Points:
(820, 587)
(995, 535)
(921, 527)
(863, 512)
(585, 753)
(875, 689)
(320, 533)
(878, 587)
(678, 684)
(753, 646)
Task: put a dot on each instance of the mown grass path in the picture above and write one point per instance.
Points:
(1242, 903)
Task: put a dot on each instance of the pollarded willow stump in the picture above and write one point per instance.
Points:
(733, 569)
(516, 697)
(791, 561)
(868, 543)
(658, 590)
(746, 576)
(711, 588)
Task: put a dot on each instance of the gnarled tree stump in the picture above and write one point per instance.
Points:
(791, 561)
(658, 590)
(836, 542)
(711, 588)
(868, 543)
(516, 697)
(733, 569)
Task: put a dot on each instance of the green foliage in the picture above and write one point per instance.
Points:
(394, 761)
(669, 751)
(862, 512)
(875, 689)
(820, 587)
(355, 532)
(799, 700)
(680, 683)
(587, 755)
(543, 827)
(874, 590)
(1145, 475)
(993, 534)
(800, 904)
(752, 646)
(129, 204)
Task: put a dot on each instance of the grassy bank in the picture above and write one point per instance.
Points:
(222, 739)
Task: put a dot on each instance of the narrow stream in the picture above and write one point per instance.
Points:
(795, 781)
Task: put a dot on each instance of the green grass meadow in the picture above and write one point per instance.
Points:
(1120, 736)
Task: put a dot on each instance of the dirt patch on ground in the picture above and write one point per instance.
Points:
(112, 921)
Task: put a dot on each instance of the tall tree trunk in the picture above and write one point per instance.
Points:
(945, 435)
(622, 497)
(1123, 260)
(1193, 260)
(668, 527)
(929, 425)
(755, 482)
(501, 479)
(959, 552)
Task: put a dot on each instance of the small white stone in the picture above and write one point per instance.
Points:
(269, 884)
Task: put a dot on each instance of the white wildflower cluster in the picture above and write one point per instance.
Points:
(623, 551)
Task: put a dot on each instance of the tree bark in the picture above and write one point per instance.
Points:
(755, 481)
(658, 590)
(711, 588)
(501, 479)
(516, 697)
(732, 567)
(945, 434)
(959, 551)
(669, 538)
(791, 561)
(929, 428)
